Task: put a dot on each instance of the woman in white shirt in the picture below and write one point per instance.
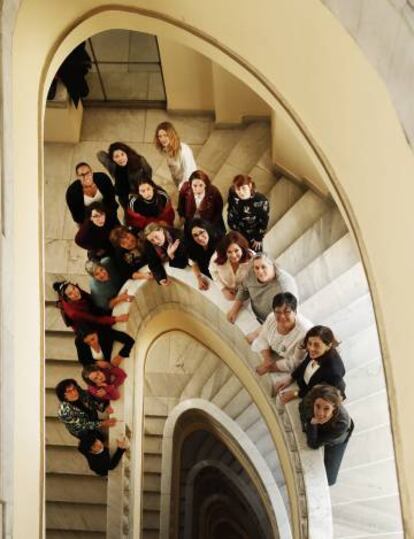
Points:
(180, 157)
(230, 263)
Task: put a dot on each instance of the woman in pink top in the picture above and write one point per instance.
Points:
(104, 383)
(230, 263)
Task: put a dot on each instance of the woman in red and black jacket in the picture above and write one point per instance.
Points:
(199, 198)
(93, 234)
(150, 204)
(77, 307)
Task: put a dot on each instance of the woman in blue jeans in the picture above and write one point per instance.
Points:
(327, 424)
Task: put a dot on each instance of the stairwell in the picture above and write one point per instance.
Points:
(308, 238)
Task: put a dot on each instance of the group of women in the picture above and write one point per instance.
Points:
(154, 235)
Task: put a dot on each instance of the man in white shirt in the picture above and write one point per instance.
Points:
(281, 336)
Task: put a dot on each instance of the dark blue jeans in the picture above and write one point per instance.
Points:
(333, 458)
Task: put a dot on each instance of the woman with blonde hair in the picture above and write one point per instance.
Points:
(180, 157)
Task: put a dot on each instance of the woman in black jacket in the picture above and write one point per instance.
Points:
(130, 253)
(202, 240)
(164, 244)
(94, 346)
(326, 423)
(97, 454)
(127, 167)
(322, 365)
(248, 211)
(93, 234)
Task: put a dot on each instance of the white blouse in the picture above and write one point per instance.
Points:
(98, 197)
(310, 370)
(224, 276)
(97, 356)
(182, 165)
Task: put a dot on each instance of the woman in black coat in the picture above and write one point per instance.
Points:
(93, 234)
(326, 423)
(94, 346)
(322, 365)
(202, 240)
(164, 244)
(127, 167)
(97, 454)
(130, 253)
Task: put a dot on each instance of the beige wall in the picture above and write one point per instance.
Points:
(233, 100)
(340, 105)
(63, 123)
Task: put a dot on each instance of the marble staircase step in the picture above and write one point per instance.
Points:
(150, 534)
(56, 434)
(152, 482)
(262, 174)
(152, 463)
(248, 416)
(336, 295)
(54, 320)
(58, 370)
(338, 258)
(368, 446)
(76, 516)
(377, 479)
(283, 195)
(314, 241)
(238, 404)
(151, 520)
(257, 431)
(370, 409)
(74, 534)
(60, 346)
(352, 319)
(217, 148)
(197, 382)
(76, 489)
(301, 216)
(154, 425)
(227, 392)
(361, 347)
(66, 460)
(151, 501)
(79, 278)
(51, 403)
(375, 515)
(356, 381)
(156, 383)
(152, 444)
(217, 380)
(244, 155)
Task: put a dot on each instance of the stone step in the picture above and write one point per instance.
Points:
(66, 460)
(54, 320)
(61, 346)
(74, 534)
(152, 463)
(151, 501)
(82, 279)
(238, 404)
(76, 488)
(313, 242)
(301, 216)
(154, 425)
(156, 383)
(352, 319)
(218, 378)
(257, 431)
(51, 403)
(368, 446)
(283, 195)
(150, 534)
(373, 516)
(152, 482)
(248, 416)
(58, 370)
(337, 259)
(356, 381)
(244, 156)
(76, 516)
(152, 444)
(262, 174)
(197, 382)
(227, 392)
(151, 520)
(376, 480)
(336, 295)
(368, 410)
(360, 347)
(217, 148)
(56, 433)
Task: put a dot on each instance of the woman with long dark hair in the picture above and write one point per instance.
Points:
(127, 168)
(150, 204)
(326, 424)
(77, 307)
(230, 264)
(93, 234)
(322, 365)
(104, 383)
(200, 198)
(202, 240)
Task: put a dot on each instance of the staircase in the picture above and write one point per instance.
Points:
(308, 238)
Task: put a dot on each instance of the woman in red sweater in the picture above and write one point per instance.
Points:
(150, 204)
(77, 307)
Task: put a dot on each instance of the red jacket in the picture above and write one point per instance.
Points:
(137, 220)
(83, 311)
(210, 209)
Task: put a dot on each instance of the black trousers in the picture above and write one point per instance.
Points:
(333, 457)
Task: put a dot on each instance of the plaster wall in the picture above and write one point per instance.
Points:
(342, 108)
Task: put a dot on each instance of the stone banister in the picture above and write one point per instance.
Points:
(313, 517)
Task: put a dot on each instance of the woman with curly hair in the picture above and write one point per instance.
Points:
(230, 263)
(179, 155)
(327, 424)
(150, 204)
(127, 167)
(130, 253)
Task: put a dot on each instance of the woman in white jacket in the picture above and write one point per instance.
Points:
(180, 157)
